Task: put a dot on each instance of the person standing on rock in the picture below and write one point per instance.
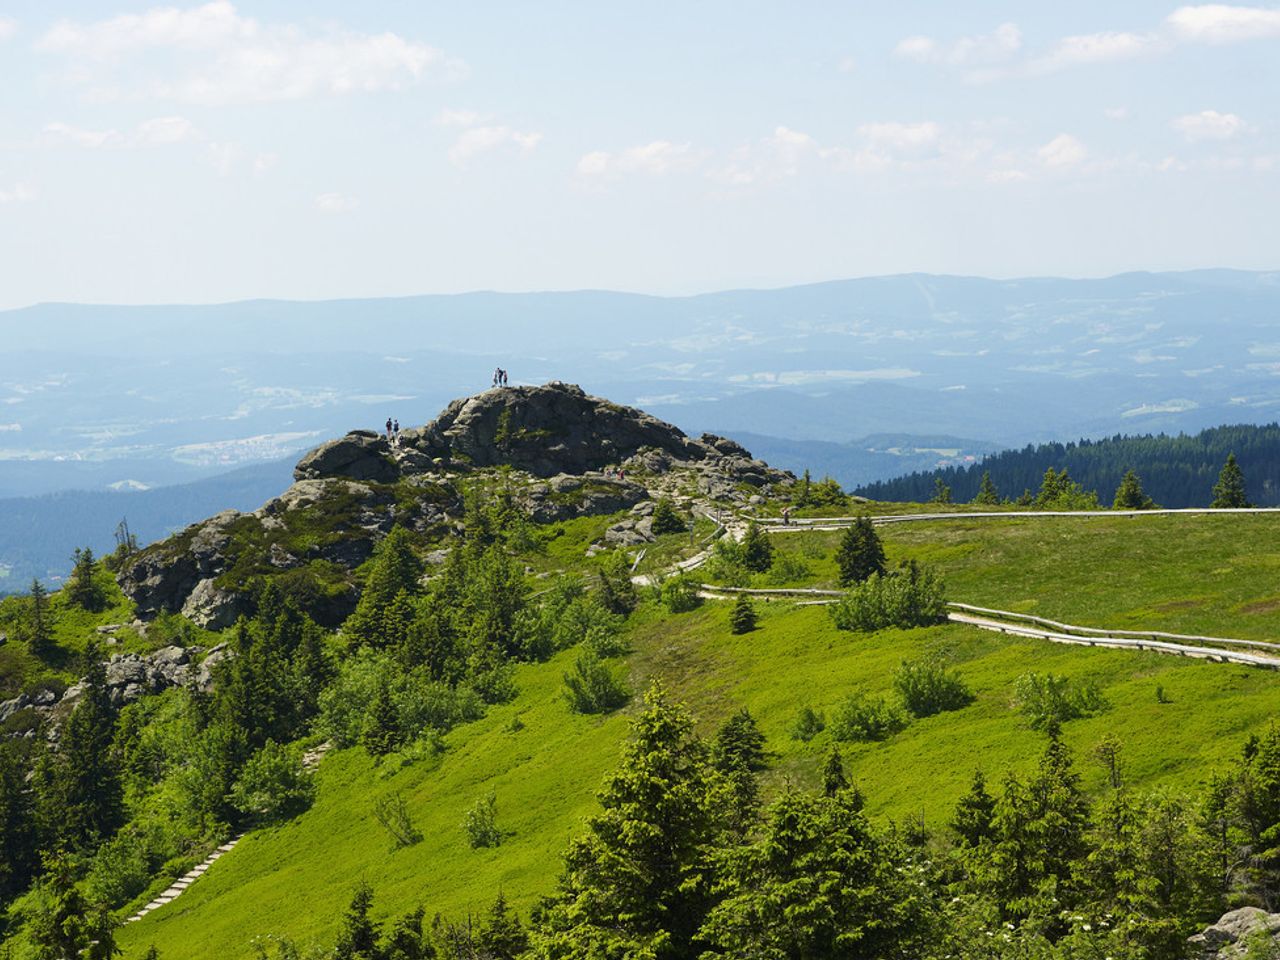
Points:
(388, 428)
(395, 431)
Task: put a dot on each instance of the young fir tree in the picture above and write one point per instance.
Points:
(64, 926)
(804, 493)
(638, 883)
(39, 631)
(82, 589)
(833, 775)
(381, 733)
(975, 811)
(502, 937)
(358, 938)
(617, 591)
(78, 792)
(665, 518)
(17, 824)
(757, 551)
(394, 567)
(1229, 491)
(860, 553)
(739, 744)
(1130, 495)
(743, 617)
(988, 495)
(941, 492)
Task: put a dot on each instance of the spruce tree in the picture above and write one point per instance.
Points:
(638, 883)
(988, 495)
(743, 617)
(833, 777)
(941, 492)
(804, 495)
(381, 733)
(860, 553)
(82, 590)
(394, 567)
(39, 626)
(757, 551)
(974, 813)
(502, 937)
(358, 938)
(64, 926)
(665, 518)
(1229, 491)
(1130, 495)
(17, 824)
(739, 744)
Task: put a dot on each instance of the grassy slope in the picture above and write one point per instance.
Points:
(297, 878)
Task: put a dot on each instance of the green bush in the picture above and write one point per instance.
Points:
(726, 564)
(481, 823)
(680, 594)
(860, 718)
(119, 871)
(594, 687)
(913, 598)
(926, 688)
(788, 568)
(273, 784)
(808, 724)
(743, 617)
(1047, 700)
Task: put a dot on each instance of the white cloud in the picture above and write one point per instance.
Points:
(210, 54)
(10, 428)
(336, 203)
(982, 49)
(1096, 48)
(158, 131)
(656, 158)
(1063, 150)
(264, 162)
(1221, 23)
(1209, 125)
(904, 137)
(459, 118)
(480, 140)
(1116, 113)
(847, 65)
(8, 27)
(18, 193)
(1007, 176)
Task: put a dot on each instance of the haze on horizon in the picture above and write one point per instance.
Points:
(212, 152)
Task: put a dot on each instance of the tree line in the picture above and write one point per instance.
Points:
(1176, 471)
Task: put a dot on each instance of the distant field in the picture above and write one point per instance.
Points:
(1184, 573)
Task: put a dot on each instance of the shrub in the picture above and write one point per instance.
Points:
(757, 551)
(272, 784)
(680, 594)
(392, 812)
(788, 568)
(617, 592)
(666, 520)
(119, 870)
(926, 688)
(743, 617)
(481, 823)
(592, 687)
(860, 718)
(1047, 700)
(726, 565)
(808, 724)
(906, 599)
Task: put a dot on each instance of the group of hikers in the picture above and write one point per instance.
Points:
(499, 377)
(393, 431)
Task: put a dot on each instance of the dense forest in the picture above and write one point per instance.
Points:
(1176, 471)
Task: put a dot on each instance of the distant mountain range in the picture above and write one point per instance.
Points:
(97, 395)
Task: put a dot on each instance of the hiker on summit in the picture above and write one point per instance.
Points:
(395, 431)
(388, 428)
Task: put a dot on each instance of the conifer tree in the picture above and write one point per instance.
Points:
(833, 777)
(743, 617)
(394, 567)
(502, 937)
(988, 495)
(665, 518)
(77, 786)
(39, 628)
(739, 744)
(65, 926)
(1130, 495)
(757, 551)
(974, 813)
(382, 732)
(82, 590)
(860, 553)
(617, 592)
(17, 825)
(941, 492)
(1229, 491)
(804, 495)
(638, 882)
(358, 938)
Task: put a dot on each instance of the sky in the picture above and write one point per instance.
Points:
(307, 150)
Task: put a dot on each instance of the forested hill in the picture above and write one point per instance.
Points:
(1177, 471)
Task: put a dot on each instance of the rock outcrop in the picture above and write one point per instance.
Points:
(1237, 934)
(565, 449)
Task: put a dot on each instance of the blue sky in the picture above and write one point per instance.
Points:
(219, 151)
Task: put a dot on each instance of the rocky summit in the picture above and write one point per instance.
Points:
(564, 453)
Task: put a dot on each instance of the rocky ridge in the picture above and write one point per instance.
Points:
(568, 454)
